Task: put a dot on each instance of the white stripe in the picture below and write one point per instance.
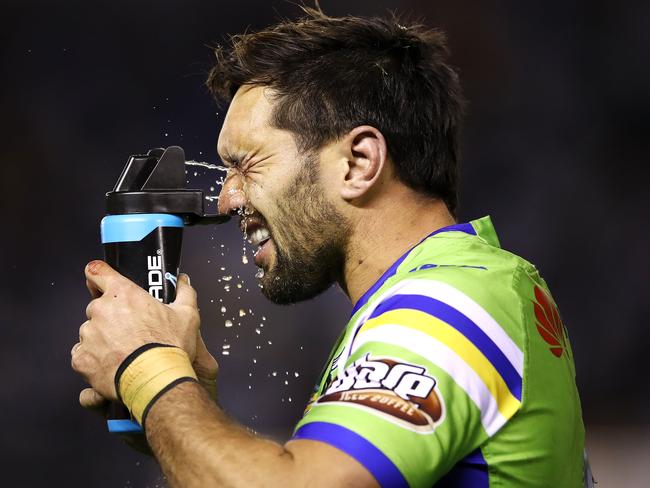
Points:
(461, 302)
(447, 360)
(454, 298)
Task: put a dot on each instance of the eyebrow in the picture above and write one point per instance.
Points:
(228, 159)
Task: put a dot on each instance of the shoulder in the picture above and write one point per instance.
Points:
(476, 279)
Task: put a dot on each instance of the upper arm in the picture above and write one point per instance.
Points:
(320, 464)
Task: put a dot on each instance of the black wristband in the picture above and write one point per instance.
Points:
(161, 393)
(129, 359)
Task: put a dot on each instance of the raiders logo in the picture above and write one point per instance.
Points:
(399, 392)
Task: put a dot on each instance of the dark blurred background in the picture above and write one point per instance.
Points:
(555, 149)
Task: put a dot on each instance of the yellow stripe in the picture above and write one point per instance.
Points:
(457, 342)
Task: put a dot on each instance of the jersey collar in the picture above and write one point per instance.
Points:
(482, 228)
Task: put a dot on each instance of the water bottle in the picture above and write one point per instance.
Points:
(142, 233)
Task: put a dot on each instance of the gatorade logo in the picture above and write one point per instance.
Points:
(155, 276)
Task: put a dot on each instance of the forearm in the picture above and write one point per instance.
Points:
(197, 445)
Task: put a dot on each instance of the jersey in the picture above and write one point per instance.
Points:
(455, 369)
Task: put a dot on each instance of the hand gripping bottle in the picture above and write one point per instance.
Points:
(143, 231)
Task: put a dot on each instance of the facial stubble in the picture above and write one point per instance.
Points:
(310, 238)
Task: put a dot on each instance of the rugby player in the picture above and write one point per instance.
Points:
(455, 369)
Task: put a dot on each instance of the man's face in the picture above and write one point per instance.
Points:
(298, 235)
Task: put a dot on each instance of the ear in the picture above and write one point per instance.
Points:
(366, 158)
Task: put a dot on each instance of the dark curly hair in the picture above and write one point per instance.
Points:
(330, 75)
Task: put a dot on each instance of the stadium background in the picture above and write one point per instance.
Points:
(555, 149)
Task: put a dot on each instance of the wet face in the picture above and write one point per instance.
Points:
(298, 235)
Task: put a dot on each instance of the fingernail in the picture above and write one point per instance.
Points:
(92, 266)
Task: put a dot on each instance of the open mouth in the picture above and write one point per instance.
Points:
(259, 236)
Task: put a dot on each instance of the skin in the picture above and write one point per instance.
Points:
(196, 444)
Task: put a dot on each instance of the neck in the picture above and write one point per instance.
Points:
(384, 232)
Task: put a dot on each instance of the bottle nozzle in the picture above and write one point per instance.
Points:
(155, 183)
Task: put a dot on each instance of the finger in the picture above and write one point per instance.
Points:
(83, 331)
(89, 398)
(185, 294)
(206, 368)
(204, 364)
(90, 307)
(94, 291)
(100, 275)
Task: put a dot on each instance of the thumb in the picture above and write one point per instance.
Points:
(185, 294)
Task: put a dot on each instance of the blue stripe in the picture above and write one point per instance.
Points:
(135, 227)
(375, 461)
(466, 228)
(471, 472)
(119, 426)
(462, 324)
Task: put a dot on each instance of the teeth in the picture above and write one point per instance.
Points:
(259, 236)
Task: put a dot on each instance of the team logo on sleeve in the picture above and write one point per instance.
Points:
(400, 392)
(549, 324)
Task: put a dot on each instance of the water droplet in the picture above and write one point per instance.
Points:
(296, 374)
(225, 353)
(223, 309)
(226, 277)
(258, 331)
(260, 273)
(226, 287)
(269, 343)
(226, 346)
(274, 373)
(263, 317)
(228, 323)
(286, 382)
(242, 312)
(244, 259)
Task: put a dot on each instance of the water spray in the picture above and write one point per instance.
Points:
(143, 230)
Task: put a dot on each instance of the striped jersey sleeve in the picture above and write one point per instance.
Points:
(423, 378)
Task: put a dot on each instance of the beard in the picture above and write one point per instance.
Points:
(310, 238)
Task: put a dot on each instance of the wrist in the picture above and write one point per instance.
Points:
(148, 373)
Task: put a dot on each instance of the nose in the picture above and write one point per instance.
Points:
(232, 196)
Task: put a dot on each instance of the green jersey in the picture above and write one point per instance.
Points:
(454, 370)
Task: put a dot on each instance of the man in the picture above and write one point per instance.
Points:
(454, 370)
